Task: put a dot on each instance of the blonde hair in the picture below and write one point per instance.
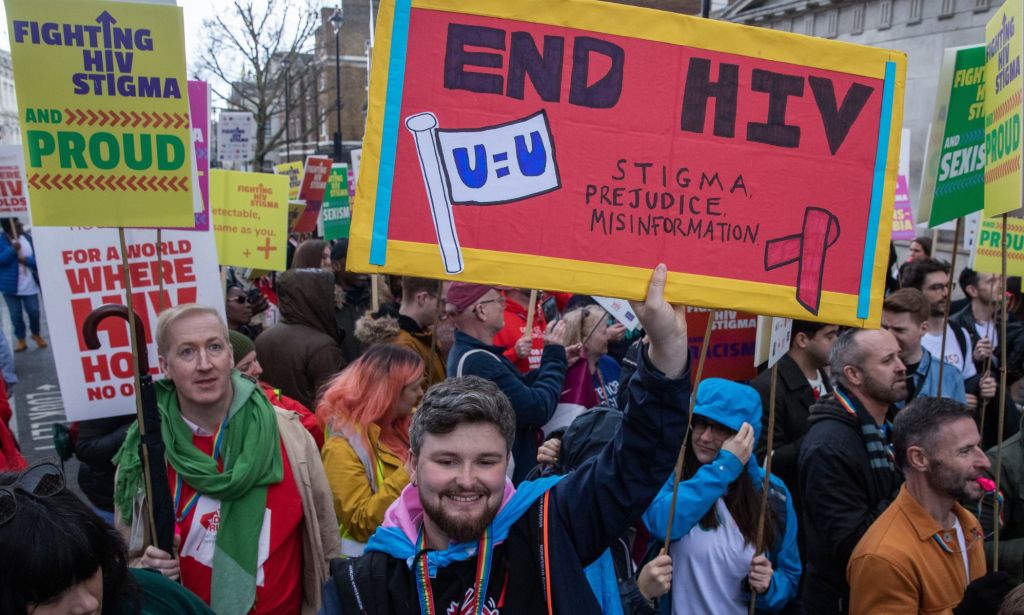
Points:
(172, 315)
(582, 322)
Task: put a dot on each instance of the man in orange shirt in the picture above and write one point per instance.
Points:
(924, 550)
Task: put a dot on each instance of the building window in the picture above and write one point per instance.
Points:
(858, 19)
(884, 14)
(948, 8)
(832, 24)
(980, 6)
(809, 25)
(915, 11)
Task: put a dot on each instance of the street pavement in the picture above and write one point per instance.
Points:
(36, 398)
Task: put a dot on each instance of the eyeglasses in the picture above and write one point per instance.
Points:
(719, 432)
(500, 300)
(41, 479)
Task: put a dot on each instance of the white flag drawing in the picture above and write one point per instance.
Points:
(483, 166)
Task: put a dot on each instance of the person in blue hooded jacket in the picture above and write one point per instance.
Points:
(715, 563)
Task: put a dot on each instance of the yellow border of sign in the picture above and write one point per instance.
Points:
(484, 266)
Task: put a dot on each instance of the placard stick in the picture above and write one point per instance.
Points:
(138, 399)
(374, 292)
(160, 267)
(437, 315)
(949, 299)
(1002, 405)
(530, 313)
(689, 429)
(986, 366)
(759, 543)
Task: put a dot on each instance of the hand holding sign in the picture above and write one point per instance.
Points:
(665, 326)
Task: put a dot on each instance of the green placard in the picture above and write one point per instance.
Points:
(337, 215)
(953, 183)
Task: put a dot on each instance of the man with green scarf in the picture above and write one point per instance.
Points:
(252, 504)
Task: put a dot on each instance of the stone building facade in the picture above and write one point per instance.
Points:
(10, 132)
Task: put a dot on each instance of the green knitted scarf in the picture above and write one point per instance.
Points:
(251, 452)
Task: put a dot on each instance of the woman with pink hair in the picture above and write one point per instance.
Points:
(367, 409)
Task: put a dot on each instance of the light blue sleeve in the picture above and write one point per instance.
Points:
(696, 497)
(956, 386)
(7, 361)
(785, 562)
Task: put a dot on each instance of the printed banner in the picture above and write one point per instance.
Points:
(104, 116)
(13, 194)
(504, 147)
(730, 353)
(80, 270)
(250, 217)
(311, 190)
(987, 254)
(773, 337)
(236, 137)
(314, 178)
(336, 213)
(199, 114)
(1003, 109)
(953, 182)
(902, 211)
(294, 172)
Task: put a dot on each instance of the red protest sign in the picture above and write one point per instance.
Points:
(504, 147)
(314, 178)
(730, 352)
(312, 190)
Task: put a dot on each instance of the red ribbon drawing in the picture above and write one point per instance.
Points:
(807, 249)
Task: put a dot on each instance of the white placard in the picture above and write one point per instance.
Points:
(13, 191)
(236, 136)
(80, 270)
(620, 310)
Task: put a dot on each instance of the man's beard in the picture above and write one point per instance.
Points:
(876, 390)
(952, 484)
(460, 529)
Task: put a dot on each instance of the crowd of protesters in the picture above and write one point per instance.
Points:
(345, 443)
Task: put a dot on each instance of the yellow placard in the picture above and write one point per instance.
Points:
(103, 108)
(987, 252)
(250, 218)
(1003, 109)
(293, 170)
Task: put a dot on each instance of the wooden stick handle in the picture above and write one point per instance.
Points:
(689, 429)
(949, 299)
(531, 311)
(146, 470)
(1002, 406)
(770, 444)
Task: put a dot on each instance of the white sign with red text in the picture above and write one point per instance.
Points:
(13, 195)
(80, 270)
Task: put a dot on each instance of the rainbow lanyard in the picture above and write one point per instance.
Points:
(218, 439)
(602, 392)
(483, 572)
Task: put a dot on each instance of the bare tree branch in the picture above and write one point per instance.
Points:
(244, 49)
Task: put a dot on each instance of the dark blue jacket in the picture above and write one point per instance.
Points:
(534, 396)
(8, 266)
(588, 509)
